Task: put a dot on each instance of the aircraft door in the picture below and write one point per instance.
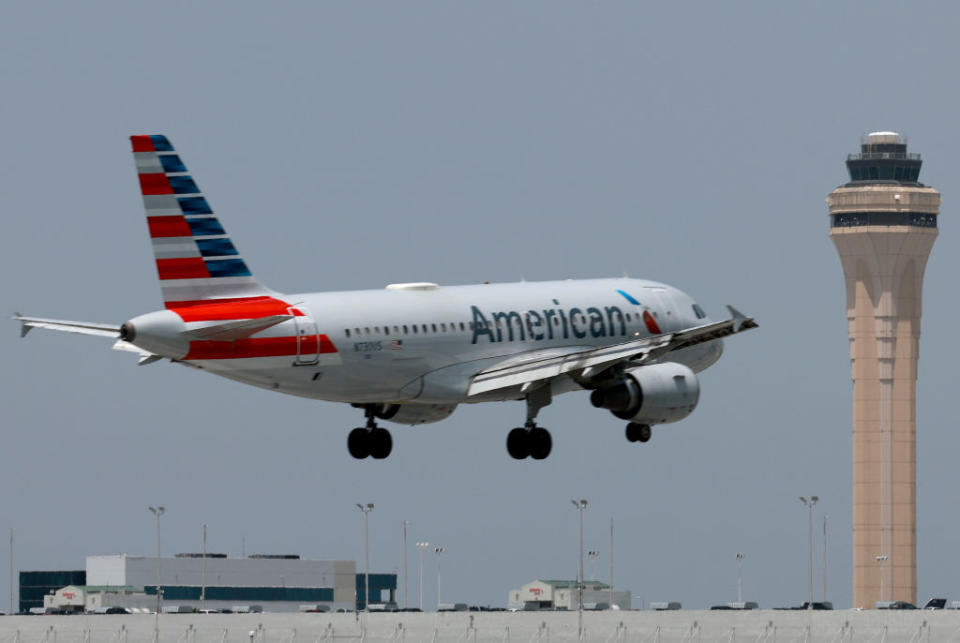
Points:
(308, 339)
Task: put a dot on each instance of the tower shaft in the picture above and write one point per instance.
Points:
(884, 231)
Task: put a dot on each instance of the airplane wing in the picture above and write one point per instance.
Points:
(590, 362)
(85, 328)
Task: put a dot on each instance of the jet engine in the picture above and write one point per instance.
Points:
(416, 413)
(654, 394)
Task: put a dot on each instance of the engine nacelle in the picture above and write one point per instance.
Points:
(416, 413)
(654, 394)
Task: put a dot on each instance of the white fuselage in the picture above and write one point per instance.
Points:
(420, 343)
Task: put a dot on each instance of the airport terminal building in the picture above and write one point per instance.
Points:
(277, 583)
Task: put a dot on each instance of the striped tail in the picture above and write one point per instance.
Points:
(196, 261)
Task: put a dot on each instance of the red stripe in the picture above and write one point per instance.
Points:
(171, 226)
(186, 268)
(257, 347)
(154, 184)
(222, 309)
(651, 323)
(142, 144)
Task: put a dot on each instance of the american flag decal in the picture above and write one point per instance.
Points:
(396, 345)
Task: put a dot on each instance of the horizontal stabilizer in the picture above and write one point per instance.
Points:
(236, 329)
(146, 357)
(83, 328)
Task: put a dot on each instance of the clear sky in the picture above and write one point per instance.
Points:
(351, 145)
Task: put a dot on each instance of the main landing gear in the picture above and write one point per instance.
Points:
(371, 440)
(531, 440)
(639, 432)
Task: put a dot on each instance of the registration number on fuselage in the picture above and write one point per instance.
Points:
(367, 347)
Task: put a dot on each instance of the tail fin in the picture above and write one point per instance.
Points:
(196, 261)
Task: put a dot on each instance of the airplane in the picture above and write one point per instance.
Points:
(412, 352)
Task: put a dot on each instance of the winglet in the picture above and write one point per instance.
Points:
(738, 318)
(24, 327)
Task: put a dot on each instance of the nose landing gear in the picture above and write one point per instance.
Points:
(639, 432)
(371, 440)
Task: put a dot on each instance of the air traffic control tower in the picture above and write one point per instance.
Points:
(884, 223)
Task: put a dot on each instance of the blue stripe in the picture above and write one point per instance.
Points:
(205, 227)
(216, 247)
(183, 184)
(172, 163)
(228, 268)
(194, 205)
(160, 143)
(629, 298)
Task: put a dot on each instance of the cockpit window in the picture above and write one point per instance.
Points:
(698, 312)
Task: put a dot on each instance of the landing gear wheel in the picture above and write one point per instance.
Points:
(358, 443)
(518, 443)
(540, 443)
(381, 444)
(639, 432)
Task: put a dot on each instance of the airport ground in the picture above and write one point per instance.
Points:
(686, 626)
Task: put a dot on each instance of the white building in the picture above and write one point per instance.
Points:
(564, 594)
(278, 583)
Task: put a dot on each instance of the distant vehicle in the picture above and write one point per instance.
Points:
(816, 605)
(116, 610)
(894, 605)
(665, 605)
(178, 609)
(248, 609)
(409, 609)
(315, 608)
(936, 604)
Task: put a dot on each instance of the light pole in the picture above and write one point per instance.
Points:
(580, 505)
(825, 516)
(438, 550)
(809, 503)
(881, 559)
(739, 578)
(203, 573)
(405, 523)
(421, 547)
(158, 511)
(366, 509)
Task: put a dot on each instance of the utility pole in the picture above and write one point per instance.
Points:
(809, 504)
(11, 571)
(739, 578)
(580, 505)
(438, 550)
(825, 516)
(203, 574)
(421, 547)
(158, 511)
(366, 553)
(611, 563)
(405, 523)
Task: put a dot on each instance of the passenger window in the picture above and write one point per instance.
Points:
(414, 329)
(404, 329)
(434, 326)
(366, 330)
(347, 330)
(376, 329)
(628, 316)
(396, 330)
(443, 327)
(461, 326)
(424, 326)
